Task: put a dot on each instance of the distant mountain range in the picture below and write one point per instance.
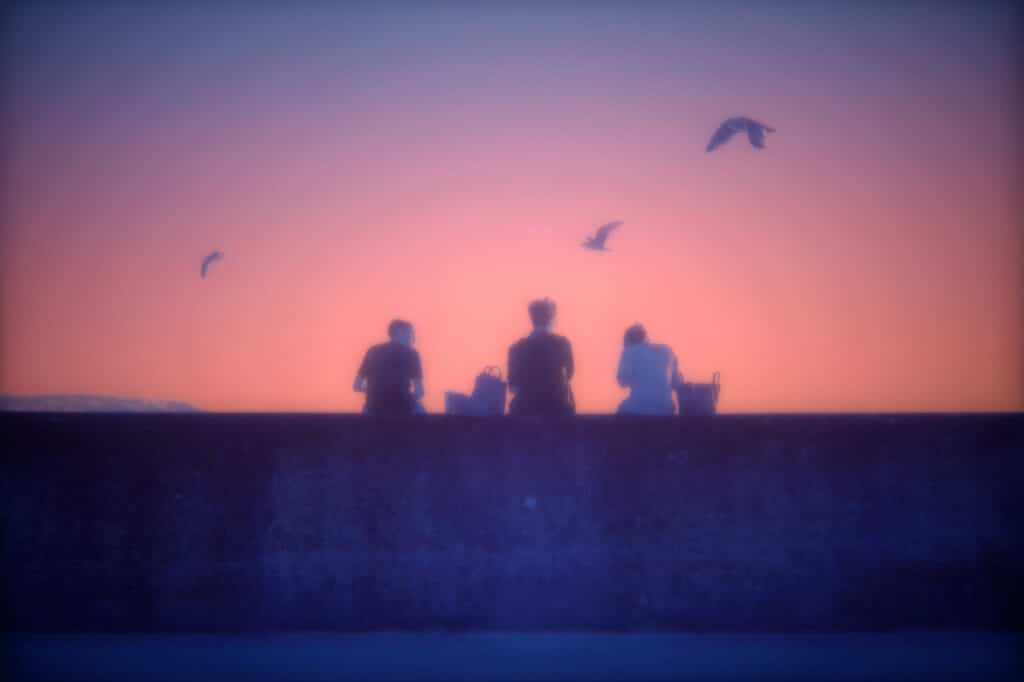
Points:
(89, 403)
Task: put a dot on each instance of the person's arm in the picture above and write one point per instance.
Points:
(623, 374)
(513, 371)
(359, 385)
(677, 378)
(570, 367)
(417, 378)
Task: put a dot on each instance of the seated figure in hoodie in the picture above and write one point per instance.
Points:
(650, 372)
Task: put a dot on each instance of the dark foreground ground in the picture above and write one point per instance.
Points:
(189, 524)
(516, 656)
(448, 548)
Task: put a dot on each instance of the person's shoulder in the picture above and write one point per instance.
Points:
(400, 350)
(520, 343)
(373, 358)
(378, 348)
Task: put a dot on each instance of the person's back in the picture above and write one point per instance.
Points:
(389, 374)
(540, 367)
(650, 371)
(537, 367)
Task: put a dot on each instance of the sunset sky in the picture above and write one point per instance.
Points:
(443, 162)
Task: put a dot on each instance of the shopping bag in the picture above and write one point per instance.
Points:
(490, 390)
(488, 398)
(696, 399)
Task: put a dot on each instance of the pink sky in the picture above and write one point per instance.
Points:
(870, 259)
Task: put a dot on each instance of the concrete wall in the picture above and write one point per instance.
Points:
(246, 522)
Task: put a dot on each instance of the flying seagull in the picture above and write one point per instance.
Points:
(596, 243)
(731, 126)
(208, 261)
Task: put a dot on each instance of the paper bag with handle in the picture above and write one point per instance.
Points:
(488, 398)
(697, 399)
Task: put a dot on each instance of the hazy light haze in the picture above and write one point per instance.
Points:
(443, 162)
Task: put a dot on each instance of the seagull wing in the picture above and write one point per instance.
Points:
(216, 255)
(721, 136)
(605, 230)
(755, 133)
(748, 122)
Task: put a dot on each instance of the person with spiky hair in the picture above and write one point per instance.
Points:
(540, 367)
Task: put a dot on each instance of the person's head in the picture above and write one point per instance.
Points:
(542, 313)
(401, 331)
(634, 335)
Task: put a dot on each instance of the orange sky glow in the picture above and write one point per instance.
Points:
(445, 169)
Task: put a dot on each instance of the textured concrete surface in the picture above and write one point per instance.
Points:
(198, 523)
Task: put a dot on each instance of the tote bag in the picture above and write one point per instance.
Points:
(489, 391)
(488, 398)
(699, 399)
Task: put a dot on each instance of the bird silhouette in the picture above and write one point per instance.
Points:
(596, 243)
(208, 261)
(755, 132)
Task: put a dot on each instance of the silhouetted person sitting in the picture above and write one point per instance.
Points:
(540, 367)
(391, 375)
(650, 371)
